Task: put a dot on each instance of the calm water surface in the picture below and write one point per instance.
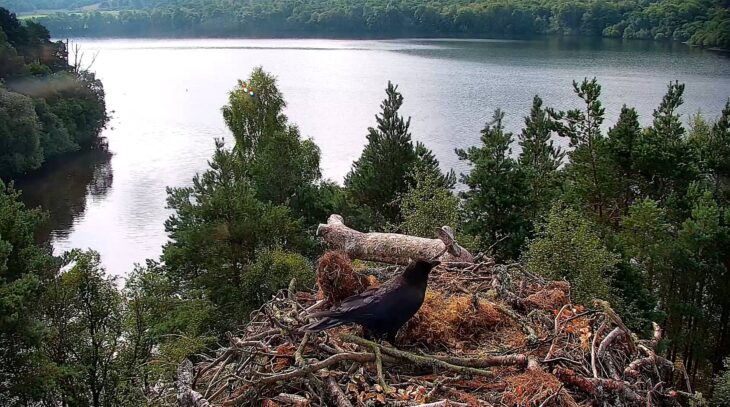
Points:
(165, 97)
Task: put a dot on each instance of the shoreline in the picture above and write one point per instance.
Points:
(545, 37)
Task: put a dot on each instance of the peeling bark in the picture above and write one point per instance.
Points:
(391, 248)
(186, 396)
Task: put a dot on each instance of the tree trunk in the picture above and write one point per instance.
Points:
(391, 248)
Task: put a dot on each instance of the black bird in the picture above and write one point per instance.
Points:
(383, 310)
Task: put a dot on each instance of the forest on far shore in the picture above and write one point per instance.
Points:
(698, 22)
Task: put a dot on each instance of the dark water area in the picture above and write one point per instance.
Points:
(166, 97)
(63, 189)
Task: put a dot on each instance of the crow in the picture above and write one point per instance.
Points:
(381, 311)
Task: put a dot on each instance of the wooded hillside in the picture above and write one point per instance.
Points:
(701, 22)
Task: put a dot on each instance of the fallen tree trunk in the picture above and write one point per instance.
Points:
(391, 248)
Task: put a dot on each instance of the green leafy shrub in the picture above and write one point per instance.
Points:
(568, 247)
(272, 271)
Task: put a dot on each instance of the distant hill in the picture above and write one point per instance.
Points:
(34, 5)
(699, 22)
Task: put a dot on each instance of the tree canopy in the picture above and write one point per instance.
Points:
(701, 22)
(47, 107)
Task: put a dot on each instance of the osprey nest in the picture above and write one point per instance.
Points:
(486, 335)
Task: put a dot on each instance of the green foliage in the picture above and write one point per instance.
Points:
(67, 110)
(254, 117)
(163, 323)
(663, 158)
(589, 175)
(272, 271)
(80, 105)
(427, 206)
(216, 230)
(282, 167)
(540, 158)
(622, 139)
(711, 142)
(84, 316)
(703, 22)
(26, 373)
(54, 138)
(496, 198)
(382, 173)
(20, 132)
(721, 393)
(621, 145)
(568, 247)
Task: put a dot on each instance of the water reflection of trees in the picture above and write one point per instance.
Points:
(62, 189)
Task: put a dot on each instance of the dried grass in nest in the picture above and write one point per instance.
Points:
(551, 297)
(337, 279)
(285, 358)
(532, 388)
(445, 317)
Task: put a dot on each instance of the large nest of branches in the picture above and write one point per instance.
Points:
(487, 335)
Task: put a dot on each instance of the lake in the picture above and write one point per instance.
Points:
(165, 98)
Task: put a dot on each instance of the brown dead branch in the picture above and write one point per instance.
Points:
(444, 403)
(336, 393)
(391, 248)
(293, 400)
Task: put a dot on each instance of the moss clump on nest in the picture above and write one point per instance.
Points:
(445, 319)
(337, 279)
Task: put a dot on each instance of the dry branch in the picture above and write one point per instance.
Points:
(391, 248)
(336, 393)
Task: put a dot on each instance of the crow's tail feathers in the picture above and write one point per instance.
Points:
(327, 320)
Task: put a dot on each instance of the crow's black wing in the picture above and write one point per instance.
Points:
(353, 309)
(360, 300)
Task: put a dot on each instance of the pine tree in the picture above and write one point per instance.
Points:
(621, 145)
(663, 156)
(381, 174)
(495, 200)
(719, 153)
(540, 158)
(218, 228)
(589, 176)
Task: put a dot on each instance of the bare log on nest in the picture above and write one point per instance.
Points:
(186, 396)
(391, 248)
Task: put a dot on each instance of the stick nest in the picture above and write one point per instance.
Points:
(486, 335)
